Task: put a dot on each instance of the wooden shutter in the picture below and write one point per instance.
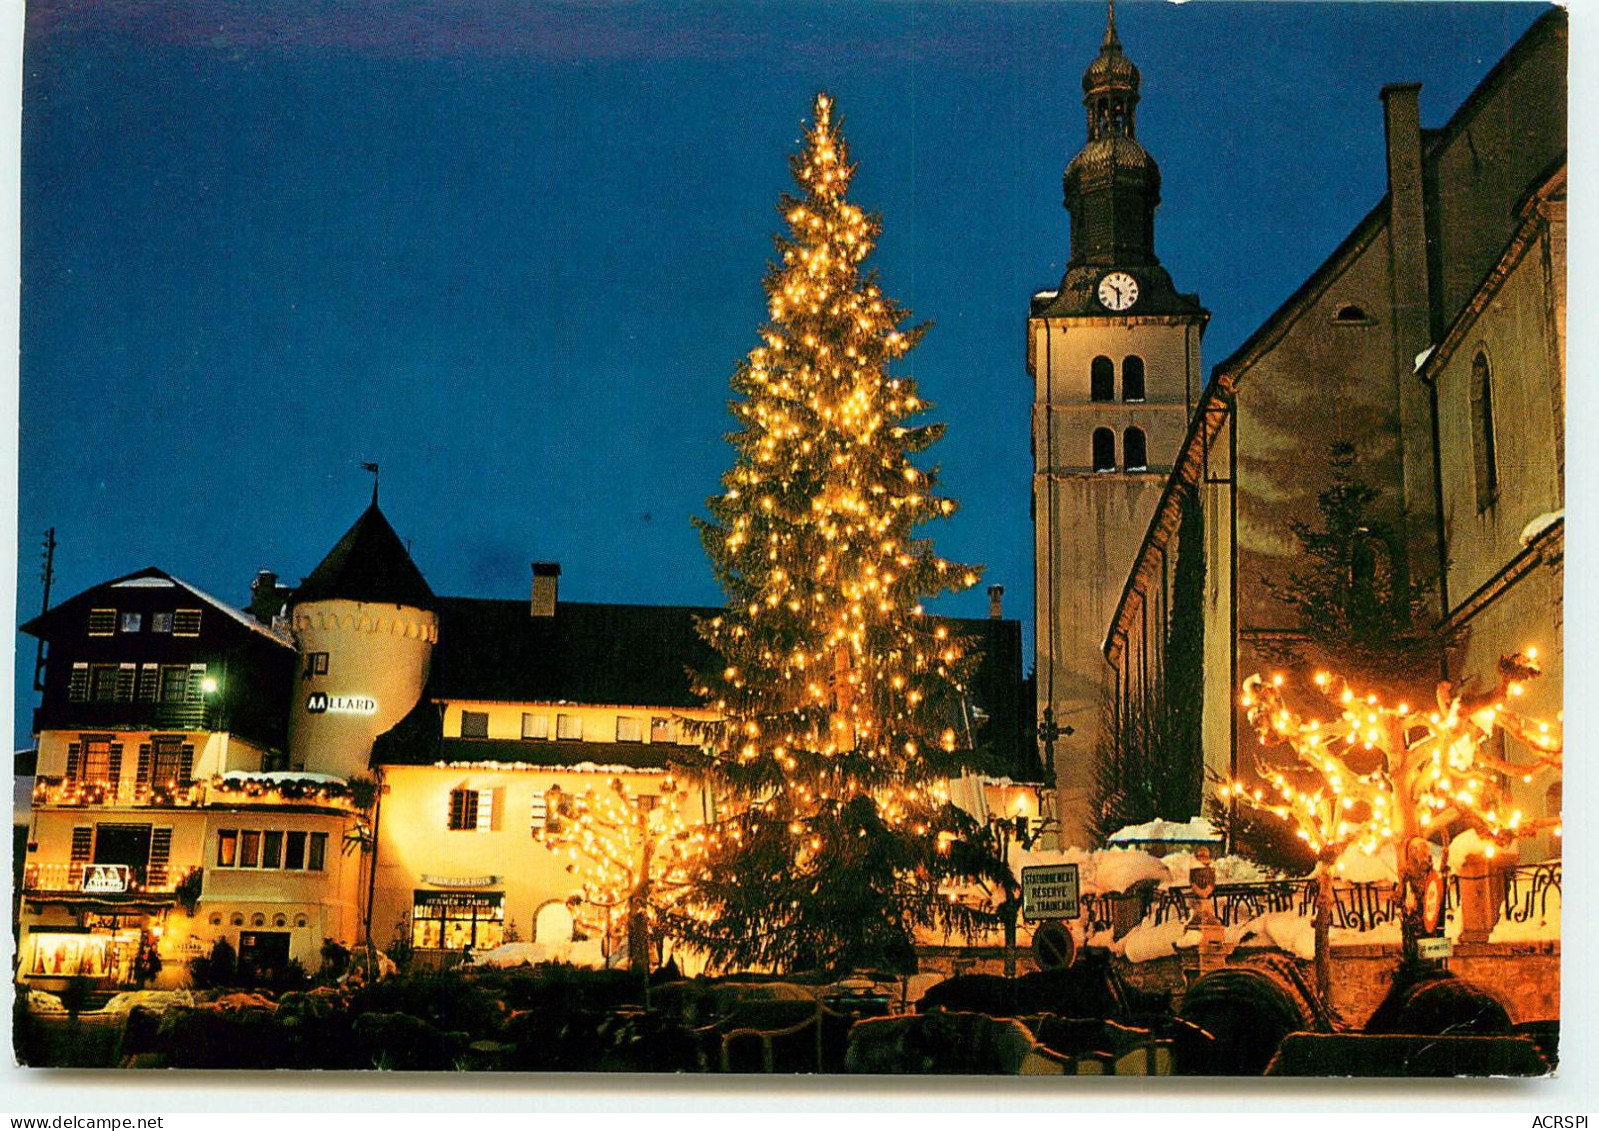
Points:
(196, 693)
(74, 758)
(455, 810)
(149, 683)
(541, 812)
(82, 847)
(141, 776)
(485, 810)
(127, 675)
(160, 858)
(78, 683)
(186, 765)
(114, 768)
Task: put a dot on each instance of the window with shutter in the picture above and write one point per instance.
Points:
(127, 675)
(141, 772)
(196, 683)
(95, 763)
(186, 765)
(535, 726)
(103, 682)
(167, 768)
(114, 764)
(149, 683)
(463, 809)
(74, 761)
(569, 727)
(82, 849)
(78, 684)
(485, 810)
(629, 728)
(174, 683)
(160, 858)
(541, 813)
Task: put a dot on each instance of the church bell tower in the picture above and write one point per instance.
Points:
(1113, 352)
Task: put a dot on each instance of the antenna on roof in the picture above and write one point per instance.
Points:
(373, 468)
(46, 575)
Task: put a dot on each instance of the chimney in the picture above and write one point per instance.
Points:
(996, 602)
(264, 599)
(546, 578)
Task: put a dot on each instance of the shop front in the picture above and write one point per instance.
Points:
(111, 947)
(457, 920)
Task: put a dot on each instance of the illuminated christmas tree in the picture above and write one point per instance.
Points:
(838, 692)
(1401, 775)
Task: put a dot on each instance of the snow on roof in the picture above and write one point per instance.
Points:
(1046, 294)
(277, 776)
(1198, 829)
(575, 767)
(243, 618)
(144, 583)
(1537, 526)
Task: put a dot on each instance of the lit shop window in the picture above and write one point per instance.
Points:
(569, 727)
(629, 728)
(455, 920)
(535, 726)
(474, 724)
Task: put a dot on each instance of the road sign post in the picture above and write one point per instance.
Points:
(1049, 891)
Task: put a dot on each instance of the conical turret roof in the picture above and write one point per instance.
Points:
(369, 563)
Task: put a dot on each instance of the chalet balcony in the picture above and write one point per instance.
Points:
(232, 791)
(109, 883)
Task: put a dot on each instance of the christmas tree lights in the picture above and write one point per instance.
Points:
(1398, 774)
(836, 690)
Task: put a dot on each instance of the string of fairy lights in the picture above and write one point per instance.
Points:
(1379, 773)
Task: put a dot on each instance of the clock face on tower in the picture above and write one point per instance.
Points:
(1118, 291)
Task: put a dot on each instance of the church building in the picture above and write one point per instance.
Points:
(1113, 352)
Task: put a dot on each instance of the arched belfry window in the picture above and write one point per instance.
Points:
(1371, 566)
(1132, 378)
(1104, 450)
(1134, 450)
(1482, 431)
(1102, 379)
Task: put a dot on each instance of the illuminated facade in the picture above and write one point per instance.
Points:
(161, 817)
(360, 757)
(1114, 354)
(1437, 328)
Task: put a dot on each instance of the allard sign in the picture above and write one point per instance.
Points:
(321, 703)
(1049, 892)
(106, 878)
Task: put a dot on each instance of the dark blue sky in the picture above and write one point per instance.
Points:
(513, 252)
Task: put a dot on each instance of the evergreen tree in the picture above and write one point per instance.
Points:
(1358, 608)
(838, 694)
(1150, 758)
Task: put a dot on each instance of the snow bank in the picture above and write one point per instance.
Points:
(1466, 844)
(276, 777)
(1357, 867)
(1148, 941)
(1197, 829)
(1538, 928)
(157, 1001)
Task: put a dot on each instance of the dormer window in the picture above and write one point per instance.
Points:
(1351, 315)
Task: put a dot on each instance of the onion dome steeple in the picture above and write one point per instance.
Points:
(1112, 188)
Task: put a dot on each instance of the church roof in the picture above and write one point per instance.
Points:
(369, 563)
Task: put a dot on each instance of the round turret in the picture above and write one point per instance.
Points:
(364, 624)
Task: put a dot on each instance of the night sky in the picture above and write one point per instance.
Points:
(513, 252)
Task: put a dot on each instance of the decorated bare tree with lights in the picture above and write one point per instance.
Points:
(1381, 774)
(837, 691)
(630, 852)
